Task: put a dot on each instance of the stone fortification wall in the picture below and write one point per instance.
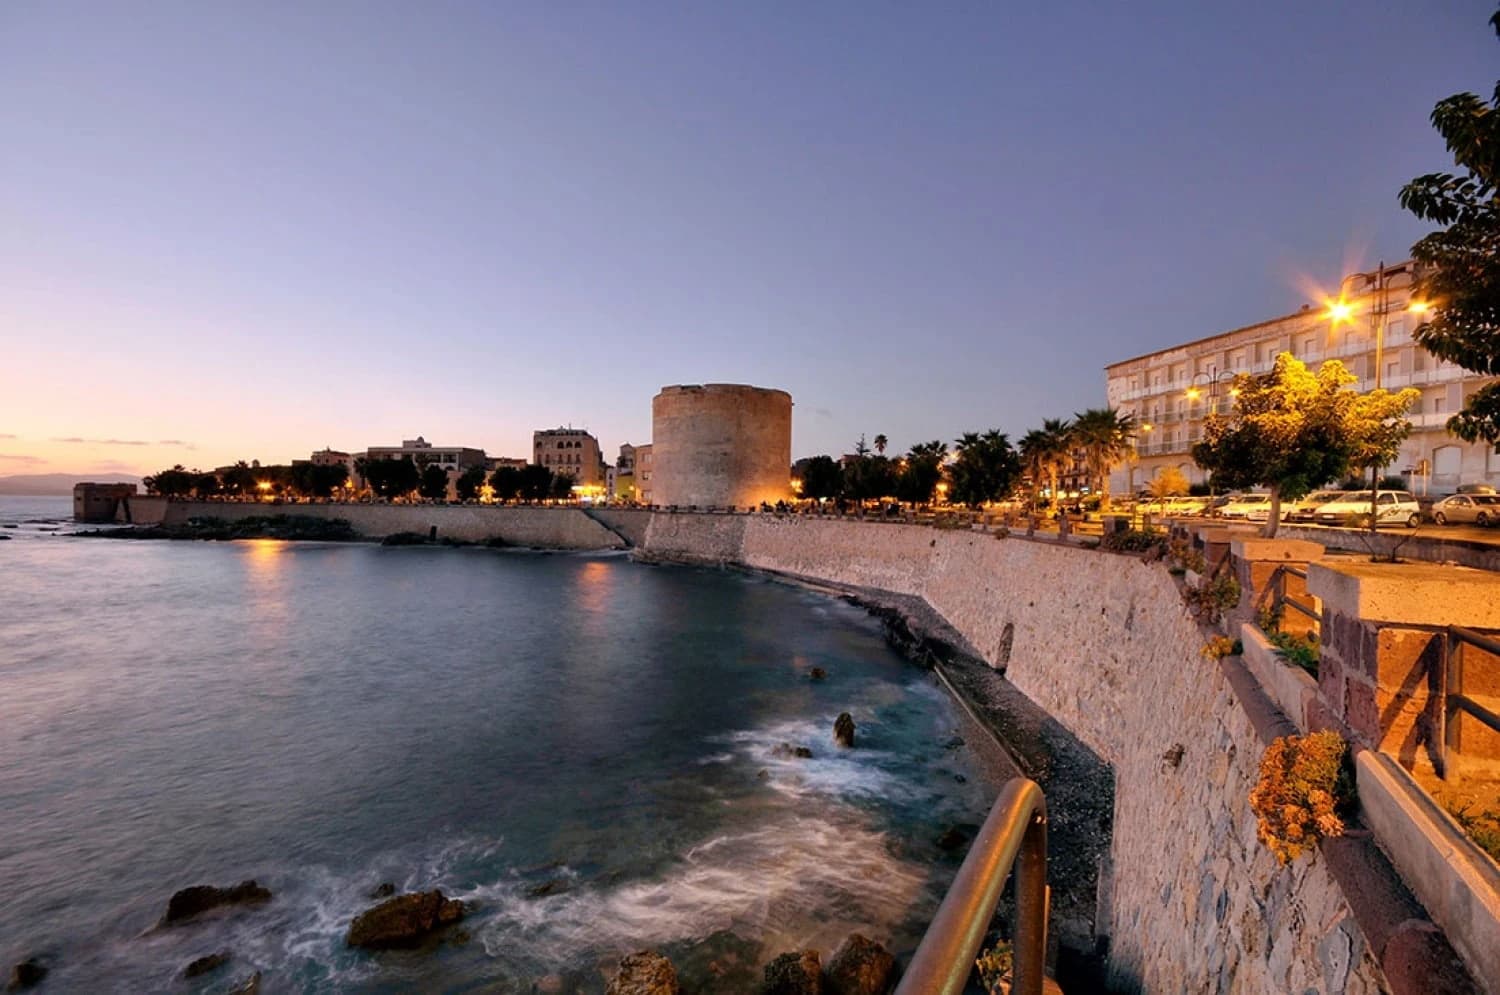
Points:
(1192, 902)
(720, 445)
(546, 528)
(630, 523)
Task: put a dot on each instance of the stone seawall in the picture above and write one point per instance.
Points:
(544, 528)
(1189, 900)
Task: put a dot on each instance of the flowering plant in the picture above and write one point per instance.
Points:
(1302, 785)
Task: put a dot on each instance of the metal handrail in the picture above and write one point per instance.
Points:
(1454, 699)
(1017, 824)
(1280, 599)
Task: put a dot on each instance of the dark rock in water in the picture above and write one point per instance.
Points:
(194, 901)
(205, 964)
(954, 743)
(403, 921)
(250, 986)
(960, 779)
(817, 674)
(383, 890)
(644, 972)
(404, 539)
(952, 838)
(26, 974)
(552, 886)
(495, 542)
(794, 974)
(788, 750)
(861, 967)
(843, 729)
(762, 774)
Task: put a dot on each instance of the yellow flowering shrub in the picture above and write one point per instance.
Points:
(1219, 647)
(1299, 792)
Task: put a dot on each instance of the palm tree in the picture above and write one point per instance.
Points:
(880, 444)
(1104, 436)
(1057, 449)
(1034, 448)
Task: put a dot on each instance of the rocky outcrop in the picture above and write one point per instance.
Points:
(794, 974)
(403, 921)
(189, 903)
(205, 964)
(788, 750)
(26, 974)
(644, 972)
(817, 674)
(250, 986)
(861, 967)
(843, 729)
(383, 890)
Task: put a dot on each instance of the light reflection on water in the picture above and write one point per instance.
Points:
(324, 717)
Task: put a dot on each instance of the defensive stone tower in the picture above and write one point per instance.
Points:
(721, 444)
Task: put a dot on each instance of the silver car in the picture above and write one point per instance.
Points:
(1463, 509)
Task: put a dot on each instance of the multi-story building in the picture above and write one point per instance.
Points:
(620, 482)
(570, 451)
(1368, 329)
(645, 469)
(421, 451)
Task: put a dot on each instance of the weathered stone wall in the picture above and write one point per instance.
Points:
(1103, 644)
(719, 445)
(547, 528)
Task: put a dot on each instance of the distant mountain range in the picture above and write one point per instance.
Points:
(57, 484)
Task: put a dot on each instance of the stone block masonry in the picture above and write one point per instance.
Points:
(1102, 643)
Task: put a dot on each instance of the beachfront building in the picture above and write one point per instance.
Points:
(571, 451)
(1171, 391)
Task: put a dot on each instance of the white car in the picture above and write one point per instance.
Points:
(1251, 507)
(1306, 509)
(1391, 508)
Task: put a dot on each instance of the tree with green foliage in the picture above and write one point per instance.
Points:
(922, 472)
(869, 477)
(506, 482)
(1292, 430)
(562, 487)
(238, 479)
(176, 482)
(822, 478)
(1104, 435)
(986, 468)
(434, 483)
(1459, 267)
(392, 478)
(536, 482)
(319, 481)
(469, 483)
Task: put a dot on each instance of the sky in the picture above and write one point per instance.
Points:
(247, 231)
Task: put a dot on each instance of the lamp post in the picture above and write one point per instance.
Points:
(1377, 282)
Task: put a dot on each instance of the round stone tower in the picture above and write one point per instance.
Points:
(720, 444)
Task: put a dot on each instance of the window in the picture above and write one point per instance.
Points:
(1392, 368)
(1305, 347)
(1439, 403)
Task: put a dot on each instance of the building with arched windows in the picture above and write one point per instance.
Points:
(569, 451)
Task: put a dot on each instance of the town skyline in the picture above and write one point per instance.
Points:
(470, 227)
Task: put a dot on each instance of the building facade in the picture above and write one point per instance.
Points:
(721, 445)
(421, 451)
(645, 472)
(1171, 392)
(570, 451)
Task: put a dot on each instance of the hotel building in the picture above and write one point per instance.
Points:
(1170, 392)
(570, 451)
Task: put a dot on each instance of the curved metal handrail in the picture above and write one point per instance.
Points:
(1017, 824)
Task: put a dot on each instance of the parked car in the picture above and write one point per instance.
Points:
(1476, 489)
(1306, 509)
(1463, 509)
(1251, 507)
(1353, 508)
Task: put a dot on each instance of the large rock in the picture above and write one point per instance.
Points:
(192, 902)
(250, 986)
(26, 974)
(794, 974)
(843, 729)
(861, 967)
(644, 972)
(205, 964)
(403, 921)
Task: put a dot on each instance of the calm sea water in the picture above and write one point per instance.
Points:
(327, 717)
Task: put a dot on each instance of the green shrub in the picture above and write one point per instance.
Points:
(1135, 540)
(1483, 828)
(1299, 651)
(1213, 597)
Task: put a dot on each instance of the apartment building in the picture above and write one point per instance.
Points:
(1368, 329)
(421, 451)
(571, 451)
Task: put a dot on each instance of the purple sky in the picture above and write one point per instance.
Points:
(250, 230)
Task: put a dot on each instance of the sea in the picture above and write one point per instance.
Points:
(586, 750)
